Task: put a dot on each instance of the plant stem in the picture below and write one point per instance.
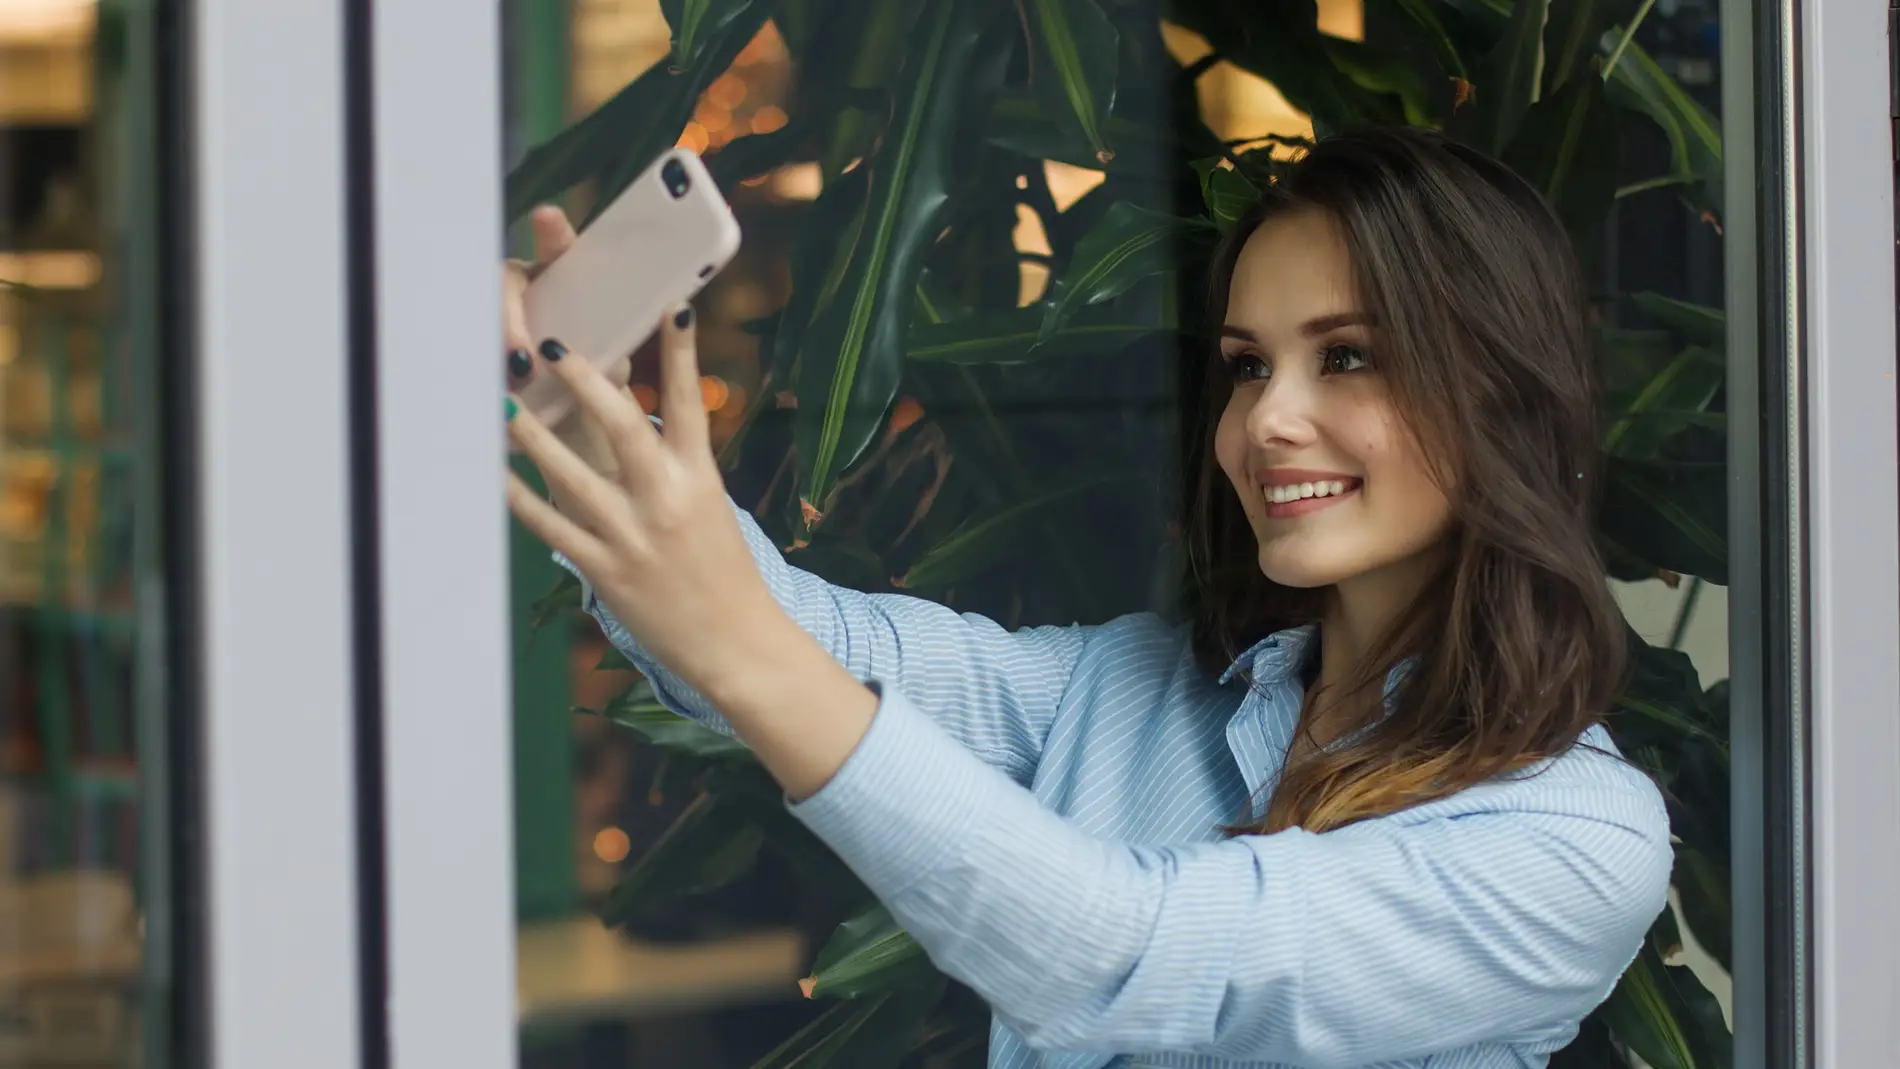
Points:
(1193, 71)
(1684, 613)
(1617, 54)
(1659, 182)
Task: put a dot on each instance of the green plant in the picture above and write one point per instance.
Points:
(1038, 483)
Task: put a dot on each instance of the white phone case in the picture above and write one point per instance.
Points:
(653, 248)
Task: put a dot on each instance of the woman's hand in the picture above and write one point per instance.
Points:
(658, 540)
(654, 531)
(553, 235)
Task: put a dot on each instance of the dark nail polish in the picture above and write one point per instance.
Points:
(684, 317)
(513, 410)
(520, 364)
(552, 350)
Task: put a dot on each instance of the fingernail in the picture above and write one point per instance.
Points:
(552, 350)
(520, 364)
(684, 317)
(512, 409)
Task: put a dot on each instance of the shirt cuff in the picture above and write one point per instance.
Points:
(904, 797)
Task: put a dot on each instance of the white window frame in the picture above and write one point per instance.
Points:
(345, 241)
(266, 315)
(447, 699)
(1853, 529)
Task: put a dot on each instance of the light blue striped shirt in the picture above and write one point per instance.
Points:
(1041, 809)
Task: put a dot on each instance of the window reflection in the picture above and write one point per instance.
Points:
(76, 764)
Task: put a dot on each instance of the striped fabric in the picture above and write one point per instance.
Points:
(1041, 810)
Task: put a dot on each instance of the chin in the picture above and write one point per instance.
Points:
(1302, 571)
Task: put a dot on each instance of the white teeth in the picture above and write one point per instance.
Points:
(1281, 495)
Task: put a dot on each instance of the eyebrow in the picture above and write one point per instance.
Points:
(1311, 328)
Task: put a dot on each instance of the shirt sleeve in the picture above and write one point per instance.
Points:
(993, 690)
(1370, 943)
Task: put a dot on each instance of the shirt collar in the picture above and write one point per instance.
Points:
(1279, 657)
(1276, 657)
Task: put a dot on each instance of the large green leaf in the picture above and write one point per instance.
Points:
(819, 246)
(561, 601)
(1282, 43)
(1425, 17)
(1130, 244)
(1665, 405)
(1082, 51)
(755, 154)
(1664, 692)
(872, 1032)
(1637, 83)
(1695, 137)
(1015, 337)
(982, 545)
(1383, 75)
(1027, 125)
(1696, 323)
(872, 50)
(1663, 1013)
(1571, 33)
(851, 359)
(713, 842)
(640, 711)
(698, 24)
(1507, 82)
(868, 953)
(1566, 147)
(1628, 358)
(1227, 193)
(621, 137)
(1671, 515)
(1592, 1049)
(980, 439)
(820, 250)
(1703, 885)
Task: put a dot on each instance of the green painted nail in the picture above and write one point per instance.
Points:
(512, 409)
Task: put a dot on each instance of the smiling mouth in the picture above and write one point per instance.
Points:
(1298, 499)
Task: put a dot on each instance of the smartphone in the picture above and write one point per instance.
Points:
(655, 246)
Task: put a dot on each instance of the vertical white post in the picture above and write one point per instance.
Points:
(1847, 213)
(267, 316)
(442, 533)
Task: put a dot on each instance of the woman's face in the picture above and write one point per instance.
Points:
(1335, 486)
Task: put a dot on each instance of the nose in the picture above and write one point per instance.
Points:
(1282, 414)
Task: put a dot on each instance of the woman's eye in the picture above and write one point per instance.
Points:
(1244, 367)
(1338, 359)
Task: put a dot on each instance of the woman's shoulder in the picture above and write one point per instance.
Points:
(1138, 639)
(1591, 780)
(1144, 654)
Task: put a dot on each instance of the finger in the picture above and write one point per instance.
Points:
(611, 408)
(682, 405)
(596, 501)
(518, 362)
(555, 530)
(553, 233)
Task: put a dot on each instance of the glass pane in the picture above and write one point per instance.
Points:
(84, 907)
(1026, 459)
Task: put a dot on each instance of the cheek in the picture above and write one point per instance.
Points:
(1398, 469)
(1230, 443)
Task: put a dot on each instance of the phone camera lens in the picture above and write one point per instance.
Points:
(673, 173)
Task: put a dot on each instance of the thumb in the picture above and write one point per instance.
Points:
(553, 233)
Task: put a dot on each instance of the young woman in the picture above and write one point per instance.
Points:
(1360, 810)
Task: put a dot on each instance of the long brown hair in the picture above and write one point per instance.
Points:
(1485, 349)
